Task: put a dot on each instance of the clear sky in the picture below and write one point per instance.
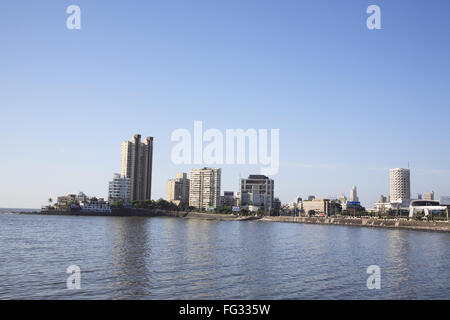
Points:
(350, 102)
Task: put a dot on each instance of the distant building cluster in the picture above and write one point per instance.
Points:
(401, 202)
(134, 183)
(202, 190)
(79, 202)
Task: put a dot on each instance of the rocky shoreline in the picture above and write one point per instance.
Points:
(440, 226)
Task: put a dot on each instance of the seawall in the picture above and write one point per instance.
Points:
(145, 213)
(442, 226)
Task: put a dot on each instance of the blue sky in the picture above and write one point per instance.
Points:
(350, 102)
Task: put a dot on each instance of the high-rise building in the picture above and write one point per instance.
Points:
(119, 189)
(428, 195)
(137, 158)
(400, 185)
(204, 188)
(178, 189)
(261, 189)
(354, 194)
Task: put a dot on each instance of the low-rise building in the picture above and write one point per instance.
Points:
(94, 204)
(79, 202)
(319, 206)
(382, 207)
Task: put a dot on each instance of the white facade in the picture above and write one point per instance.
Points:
(296, 204)
(204, 188)
(400, 185)
(354, 194)
(95, 205)
(119, 189)
(426, 207)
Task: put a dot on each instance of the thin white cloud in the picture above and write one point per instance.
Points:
(307, 165)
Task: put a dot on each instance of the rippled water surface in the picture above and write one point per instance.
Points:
(169, 258)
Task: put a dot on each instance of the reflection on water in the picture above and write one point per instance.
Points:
(398, 252)
(168, 258)
(129, 257)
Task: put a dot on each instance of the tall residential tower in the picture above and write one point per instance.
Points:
(204, 188)
(137, 159)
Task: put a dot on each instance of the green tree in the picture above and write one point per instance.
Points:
(118, 204)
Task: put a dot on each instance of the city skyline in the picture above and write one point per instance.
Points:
(350, 102)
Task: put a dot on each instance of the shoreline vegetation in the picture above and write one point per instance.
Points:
(371, 222)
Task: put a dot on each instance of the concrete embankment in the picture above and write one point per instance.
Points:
(369, 222)
(146, 213)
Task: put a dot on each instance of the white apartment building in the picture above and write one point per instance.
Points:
(204, 188)
(93, 204)
(400, 185)
(137, 159)
(119, 189)
(177, 190)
